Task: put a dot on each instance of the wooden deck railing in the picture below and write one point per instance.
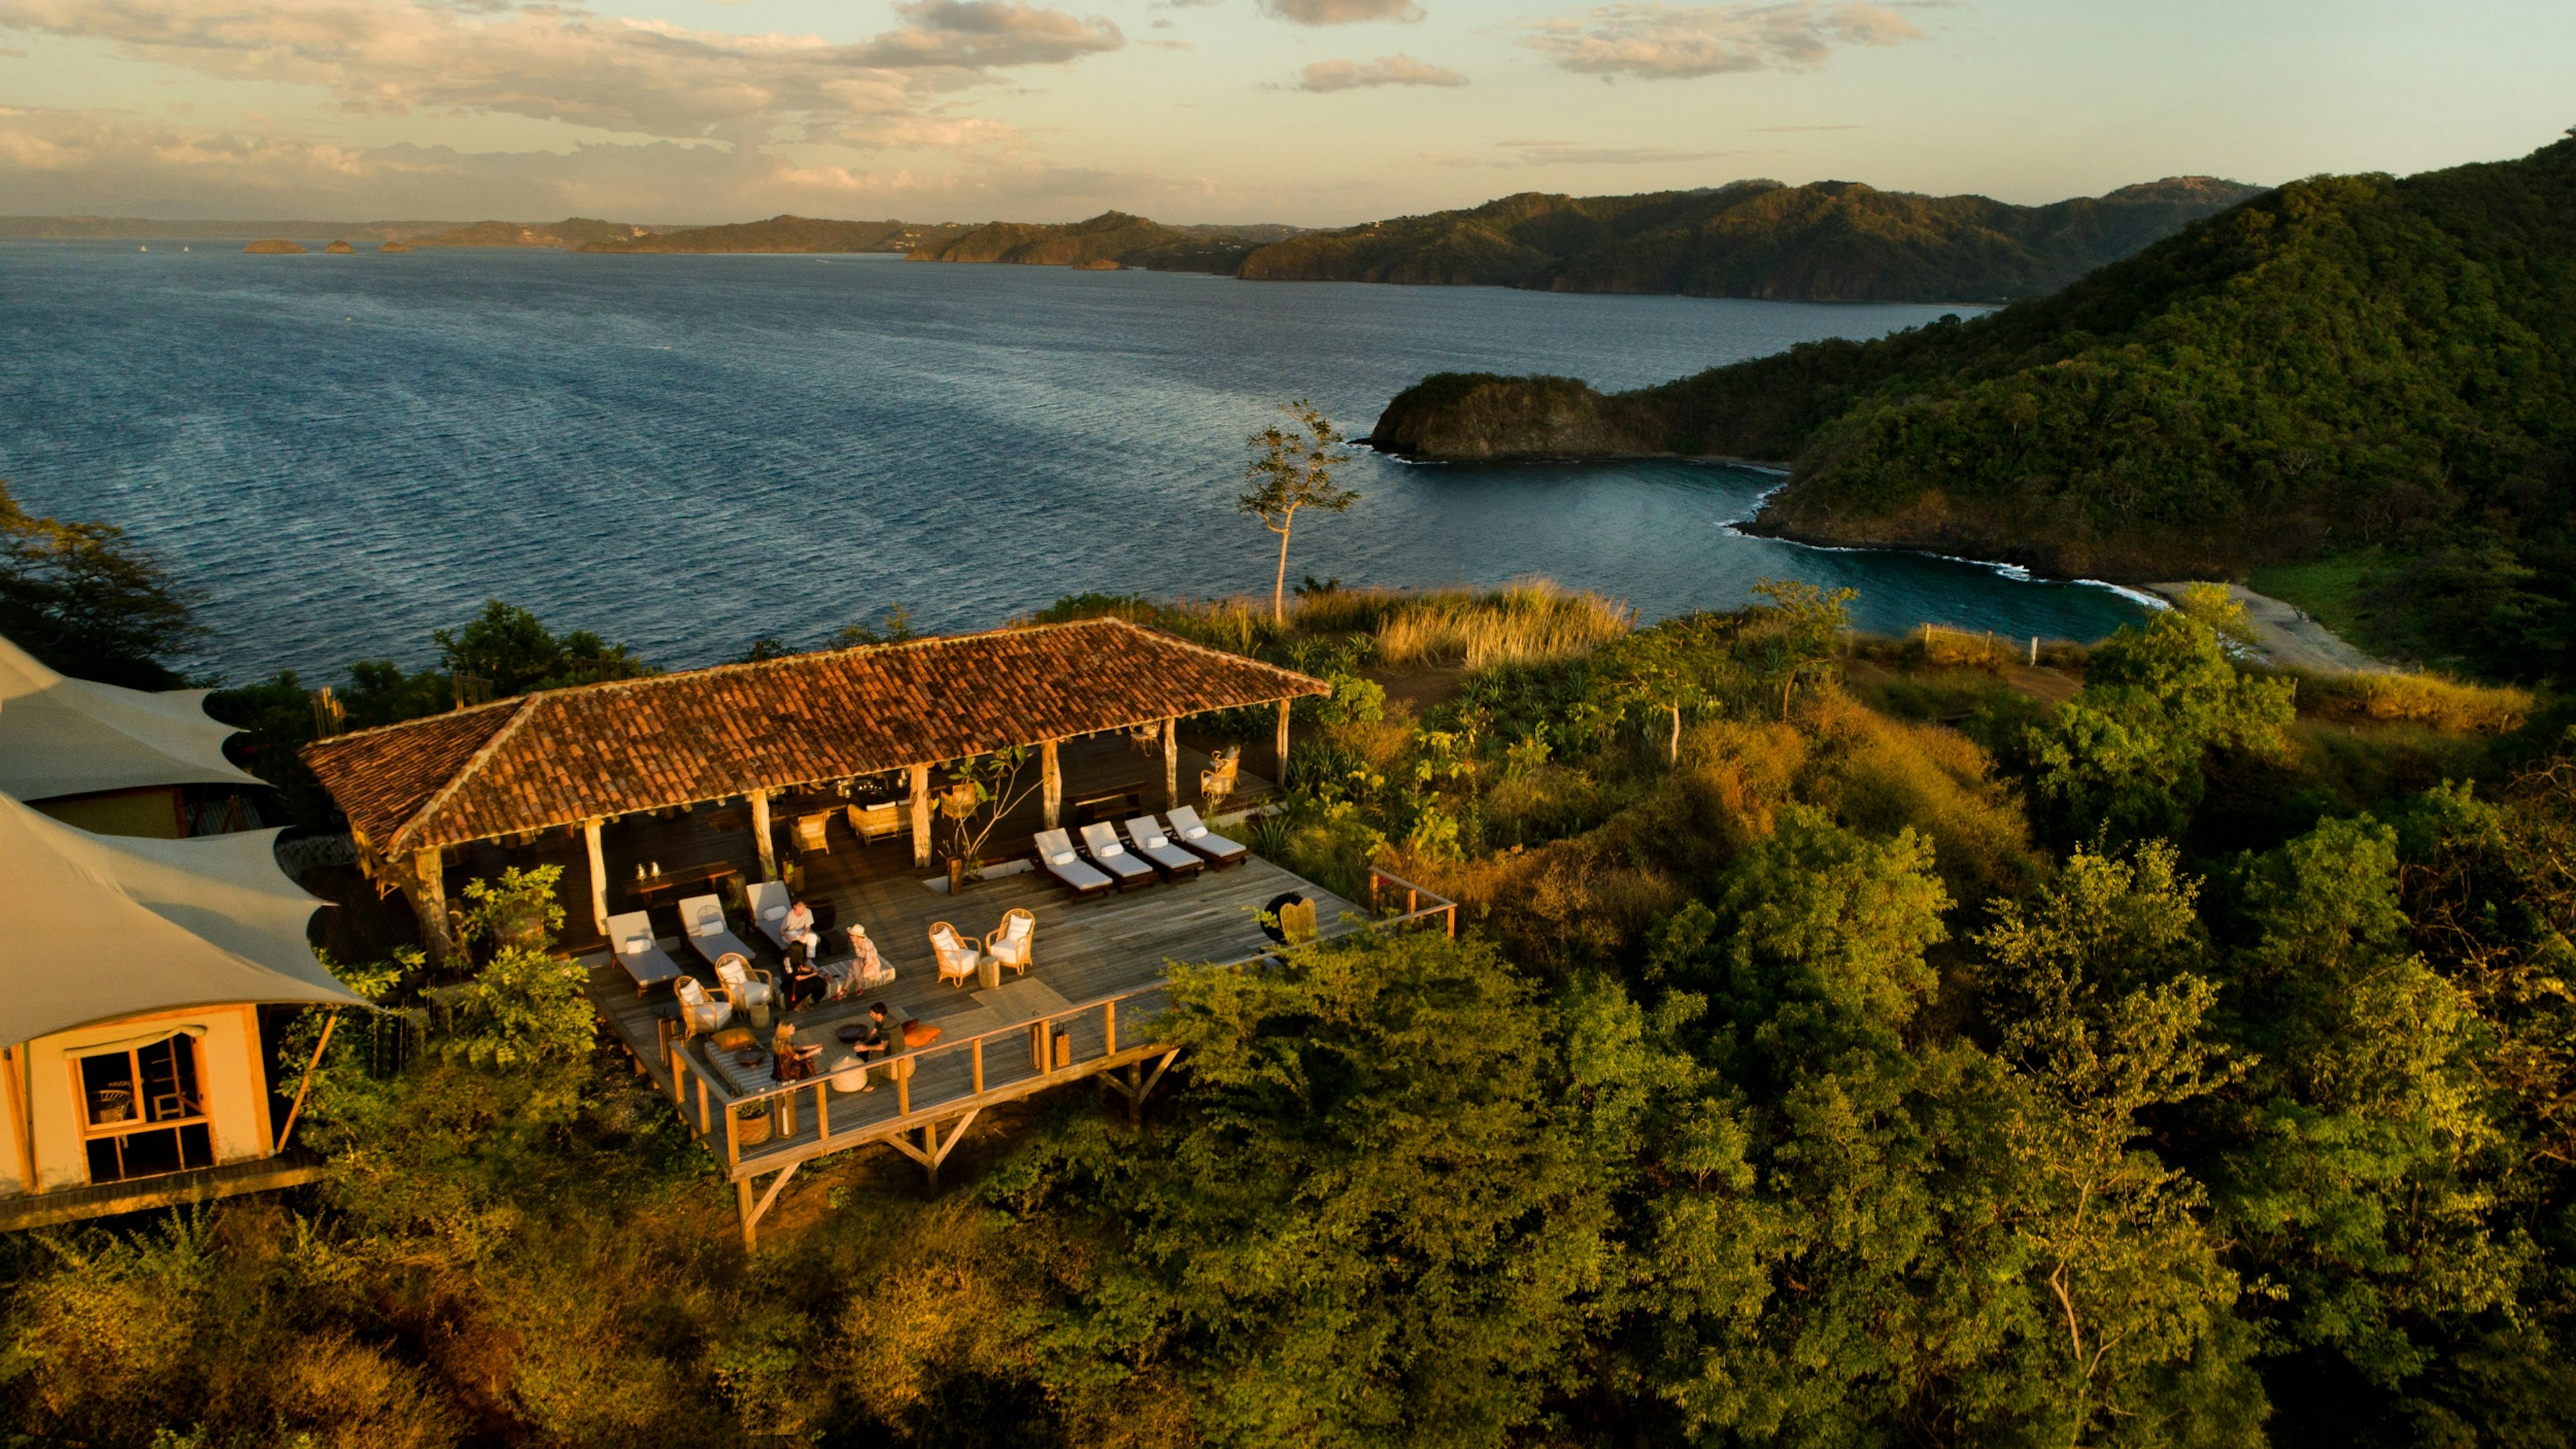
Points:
(716, 1120)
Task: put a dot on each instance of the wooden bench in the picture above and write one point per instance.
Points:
(1117, 806)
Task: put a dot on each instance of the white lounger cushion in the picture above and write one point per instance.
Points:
(1065, 857)
(774, 913)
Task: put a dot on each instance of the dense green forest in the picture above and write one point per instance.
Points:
(2346, 365)
(1849, 1042)
(1832, 241)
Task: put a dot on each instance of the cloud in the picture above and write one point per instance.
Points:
(1326, 76)
(1655, 41)
(1571, 153)
(562, 63)
(93, 163)
(1777, 130)
(1341, 12)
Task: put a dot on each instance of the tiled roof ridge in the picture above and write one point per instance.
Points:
(373, 730)
(807, 657)
(473, 762)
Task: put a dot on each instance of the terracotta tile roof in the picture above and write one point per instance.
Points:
(562, 756)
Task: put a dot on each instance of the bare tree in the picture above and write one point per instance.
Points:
(1293, 469)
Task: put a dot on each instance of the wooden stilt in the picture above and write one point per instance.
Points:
(1171, 763)
(1279, 760)
(427, 889)
(297, 1106)
(752, 1212)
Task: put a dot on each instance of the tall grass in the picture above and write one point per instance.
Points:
(1527, 622)
(2446, 705)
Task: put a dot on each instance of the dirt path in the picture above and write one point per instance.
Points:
(2287, 636)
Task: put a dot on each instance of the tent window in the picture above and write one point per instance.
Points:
(143, 1111)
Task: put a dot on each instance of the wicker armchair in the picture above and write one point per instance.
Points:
(957, 960)
(700, 1013)
(744, 984)
(1014, 941)
(1218, 781)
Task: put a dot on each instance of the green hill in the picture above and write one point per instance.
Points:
(571, 232)
(1112, 236)
(1834, 241)
(787, 234)
(2348, 364)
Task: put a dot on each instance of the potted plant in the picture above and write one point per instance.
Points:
(981, 790)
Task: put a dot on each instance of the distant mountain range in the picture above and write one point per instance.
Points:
(1112, 238)
(787, 234)
(1832, 241)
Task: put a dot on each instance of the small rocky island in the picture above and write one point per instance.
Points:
(275, 246)
(338, 249)
(395, 246)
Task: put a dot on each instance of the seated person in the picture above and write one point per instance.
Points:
(805, 985)
(792, 1063)
(799, 922)
(876, 1038)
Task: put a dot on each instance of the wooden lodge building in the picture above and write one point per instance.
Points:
(133, 1065)
(819, 769)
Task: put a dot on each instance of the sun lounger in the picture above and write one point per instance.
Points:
(1195, 836)
(1057, 858)
(1154, 845)
(702, 920)
(631, 937)
(769, 902)
(1102, 844)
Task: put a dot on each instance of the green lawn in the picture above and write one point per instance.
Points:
(2332, 590)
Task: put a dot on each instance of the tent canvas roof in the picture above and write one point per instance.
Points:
(101, 927)
(561, 756)
(63, 736)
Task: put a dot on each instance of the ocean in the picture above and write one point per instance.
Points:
(686, 453)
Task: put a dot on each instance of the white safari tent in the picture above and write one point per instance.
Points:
(103, 757)
(132, 1070)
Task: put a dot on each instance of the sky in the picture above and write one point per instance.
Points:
(1311, 112)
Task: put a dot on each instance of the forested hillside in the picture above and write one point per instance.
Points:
(1847, 1042)
(1833, 241)
(2348, 364)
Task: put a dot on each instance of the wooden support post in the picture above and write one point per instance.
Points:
(1135, 1094)
(920, 815)
(1171, 763)
(733, 1142)
(1051, 785)
(598, 877)
(902, 1089)
(978, 1049)
(1452, 913)
(753, 1212)
(428, 891)
(1280, 774)
(706, 1123)
(1109, 1026)
(822, 1110)
(297, 1106)
(930, 1155)
(760, 834)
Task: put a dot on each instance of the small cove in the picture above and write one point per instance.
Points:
(686, 453)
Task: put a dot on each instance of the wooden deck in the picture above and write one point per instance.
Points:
(1100, 964)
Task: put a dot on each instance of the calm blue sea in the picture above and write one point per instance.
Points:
(685, 453)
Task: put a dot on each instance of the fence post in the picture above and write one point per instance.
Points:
(1109, 1024)
(979, 1066)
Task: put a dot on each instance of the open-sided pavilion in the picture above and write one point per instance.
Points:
(644, 757)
